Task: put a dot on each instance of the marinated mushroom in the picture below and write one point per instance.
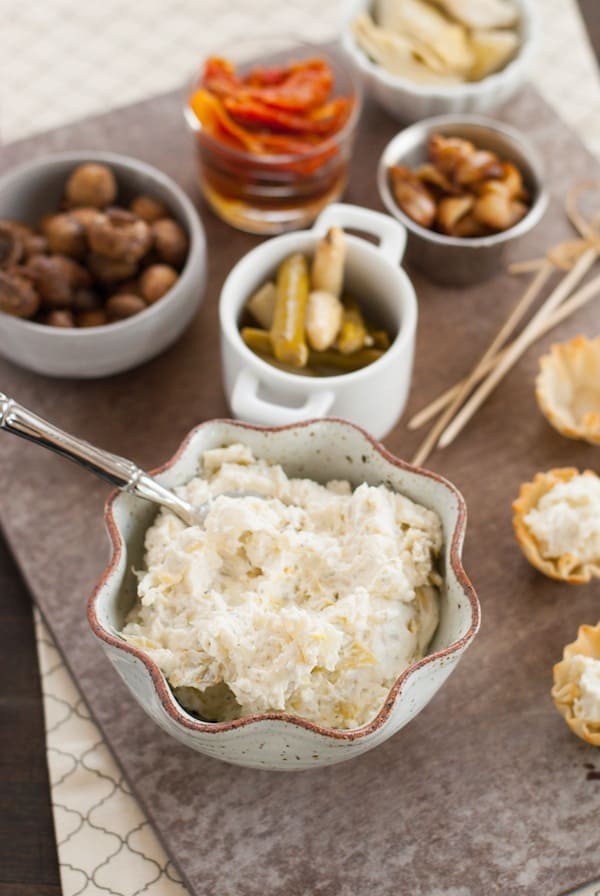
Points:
(93, 318)
(65, 235)
(451, 210)
(121, 306)
(11, 244)
(148, 209)
(446, 153)
(110, 270)
(119, 235)
(91, 185)
(461, 190)
(86, 299)
(510, 183)
(61, 317)
(34, 245)
(436, 178)
(412, 196)
(156, 280)
(498, 211)
(131, 286)
(170, 241)
(86, 215)
(18, 295)
(469, 227)
(56, 278)
(476, 166)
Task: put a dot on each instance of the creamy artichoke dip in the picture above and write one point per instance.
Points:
(311, 600)
(567, 519)
(585, 670)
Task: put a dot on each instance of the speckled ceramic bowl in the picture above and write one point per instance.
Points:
(322, 450)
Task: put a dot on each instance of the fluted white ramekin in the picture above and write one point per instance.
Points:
(408, 101)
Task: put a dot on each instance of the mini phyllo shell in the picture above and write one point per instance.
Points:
(575, 690)
(557, 524)
(568, 388)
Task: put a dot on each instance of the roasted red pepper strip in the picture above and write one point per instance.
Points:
(272, 111)
(219, 77)
(321, 121)
(266, 77)
(213, 116)
(301, 86)
(306, 87)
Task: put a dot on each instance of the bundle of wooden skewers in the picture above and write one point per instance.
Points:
(457, 405)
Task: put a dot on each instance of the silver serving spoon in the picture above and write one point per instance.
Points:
(117, 470)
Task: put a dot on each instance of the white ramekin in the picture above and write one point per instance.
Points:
(408, 101)
(373, 397)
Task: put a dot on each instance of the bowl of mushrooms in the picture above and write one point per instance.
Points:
(102, 264)
(466, 188)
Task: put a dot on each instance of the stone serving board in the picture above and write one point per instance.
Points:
(486, 791)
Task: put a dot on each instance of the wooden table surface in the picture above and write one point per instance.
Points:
(28, 863)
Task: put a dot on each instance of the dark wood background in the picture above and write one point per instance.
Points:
(28, 864)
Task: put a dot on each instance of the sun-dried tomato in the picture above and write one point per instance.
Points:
(219, 77)
(271, 110)
(213, 116)
(266, 77)
(322, 121)
(306, 86)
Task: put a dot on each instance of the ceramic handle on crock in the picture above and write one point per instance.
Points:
(117, 470)
(391, 234)
(247, 405)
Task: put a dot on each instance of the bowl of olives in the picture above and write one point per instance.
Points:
(102, 264)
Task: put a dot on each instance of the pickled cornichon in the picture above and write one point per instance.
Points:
(329, 362)
(287, 330)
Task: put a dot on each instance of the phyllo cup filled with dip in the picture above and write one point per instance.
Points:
(274, 123)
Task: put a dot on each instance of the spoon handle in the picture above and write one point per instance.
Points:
(119, 471)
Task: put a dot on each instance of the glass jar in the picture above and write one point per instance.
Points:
(276, 192)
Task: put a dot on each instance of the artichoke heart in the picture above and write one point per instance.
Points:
(481, 13)
(493, 49)
(395, 53)
(442, 45)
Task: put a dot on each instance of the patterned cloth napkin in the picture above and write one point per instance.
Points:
(105, 843)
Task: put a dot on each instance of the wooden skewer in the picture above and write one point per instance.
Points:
(526, 267)
(525, 302)
(580, 298)
(518, 347)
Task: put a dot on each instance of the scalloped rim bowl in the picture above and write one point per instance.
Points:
(320, 449)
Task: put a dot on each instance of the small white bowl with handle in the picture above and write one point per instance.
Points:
(373, 397)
